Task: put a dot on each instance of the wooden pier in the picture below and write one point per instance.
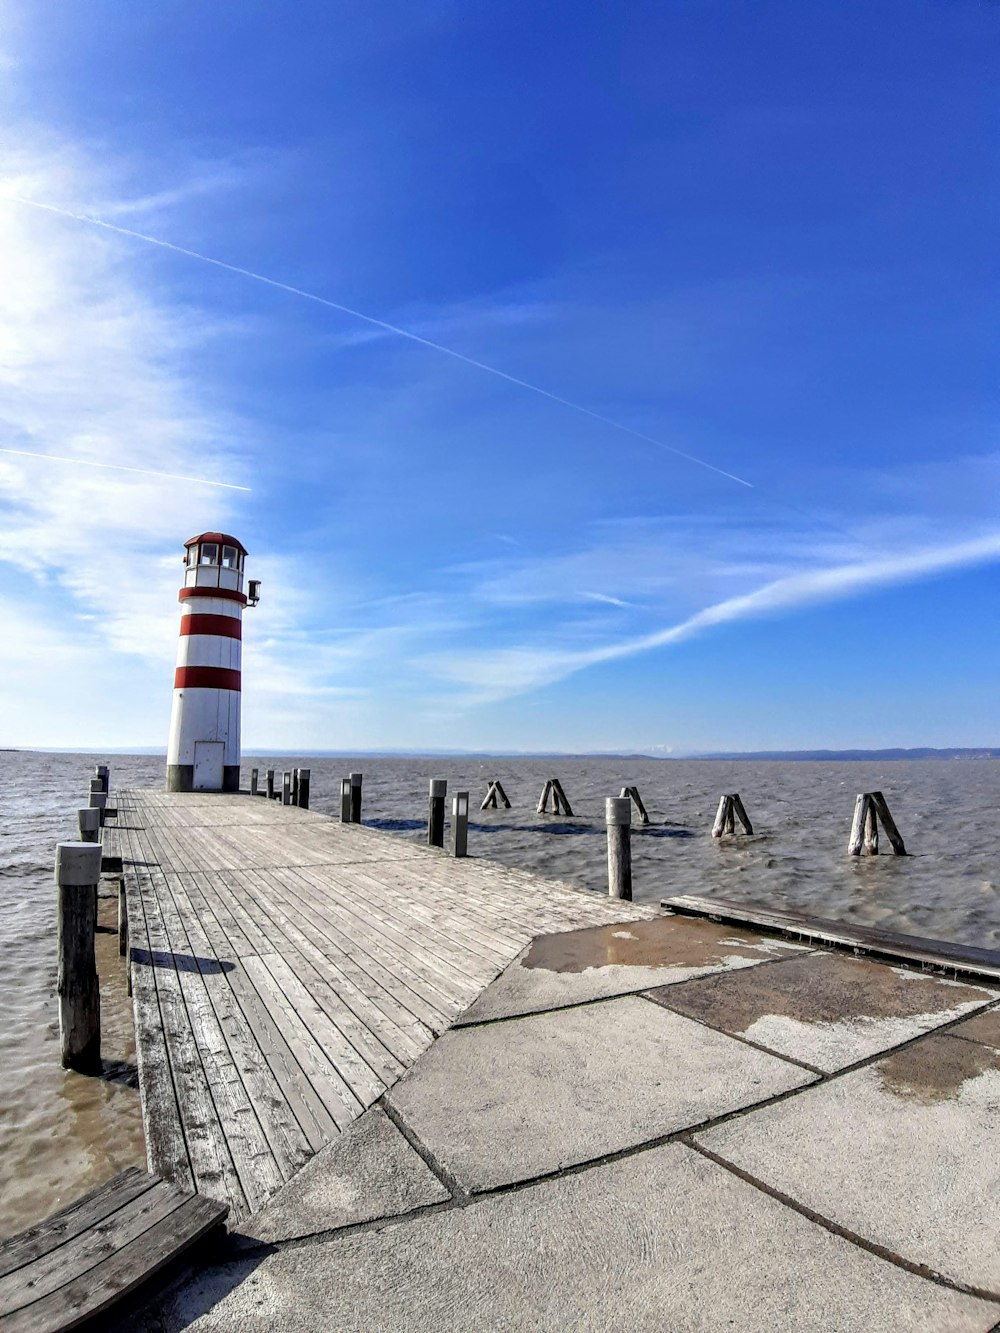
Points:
(287, 969)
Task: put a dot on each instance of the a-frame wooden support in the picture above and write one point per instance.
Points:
(495, 793)
(869, 810)
(633, 792)
(560, 805)
(730, 809)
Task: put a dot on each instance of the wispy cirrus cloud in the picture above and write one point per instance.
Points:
(505, 671)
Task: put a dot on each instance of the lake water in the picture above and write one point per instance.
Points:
(62, 1133)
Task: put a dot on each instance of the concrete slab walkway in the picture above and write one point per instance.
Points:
(794, 1140)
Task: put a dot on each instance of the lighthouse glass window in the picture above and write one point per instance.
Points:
(229, 557)
(209, 553)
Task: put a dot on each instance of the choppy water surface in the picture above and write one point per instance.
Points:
(62, 1133)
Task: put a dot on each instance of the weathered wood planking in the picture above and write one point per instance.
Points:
(287, 969)
(78, 1262)
(886, 944)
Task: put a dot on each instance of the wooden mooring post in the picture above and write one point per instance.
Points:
(286, 788)
(460, 824)
(870, 809)
(103, 772)
(78, 870)
(633, 794)
(89, 821)
(345, 800)
(99, 802)
(560, 805)
(302, 788)
(494, 794)
(356, 798)
(730, 809)
(254, 781)
(269, 784)
(618, 815)
(437, 791)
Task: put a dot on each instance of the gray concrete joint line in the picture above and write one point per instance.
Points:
(445, 1177)
(880, 1251)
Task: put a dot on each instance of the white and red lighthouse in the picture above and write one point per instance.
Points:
(203, 753)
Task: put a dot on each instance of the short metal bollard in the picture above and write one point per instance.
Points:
(345, 800)
(78, 870)
(303, 788)
(618, 814)
(89, 822)
(355, 798)
(460, 824)
(435, 812)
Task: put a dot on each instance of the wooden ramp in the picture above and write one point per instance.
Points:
(80, 1261)
(287, 969)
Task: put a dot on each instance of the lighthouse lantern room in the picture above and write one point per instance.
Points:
(203, 753)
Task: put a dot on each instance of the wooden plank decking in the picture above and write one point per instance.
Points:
(78, 1262)
(287, 969)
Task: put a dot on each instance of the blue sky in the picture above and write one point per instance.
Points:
(760, 234)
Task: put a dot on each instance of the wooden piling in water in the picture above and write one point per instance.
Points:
(560, 805)
(730, 809)
(356, 798)
(633, 794)
(460, 824)
(495, 793)
(302, 788)
(77, 872)
(869, 808)
(618, 815)
(435, 812)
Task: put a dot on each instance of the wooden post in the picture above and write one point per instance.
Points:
(122, 918)
(286, 788)
(78, 870)
(99, 802)
(741, 813)
(435, 812)
(356, 798)
(871, 830)
(560, 804)
(618, 814)
(633, 794)
(269, 784)
(104, 773)
(89, 821)
(460, 824)
(719, 827)
(543, 800)
(495, 793)
(888, 823)
(345, 800)
(254, 780)
(303, 788)
(861, 804)
(295, 786)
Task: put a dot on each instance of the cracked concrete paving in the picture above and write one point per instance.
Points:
(810, 1200)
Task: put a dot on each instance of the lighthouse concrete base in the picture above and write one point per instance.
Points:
(180, 777)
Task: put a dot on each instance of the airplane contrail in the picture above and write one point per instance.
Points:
(120, 467)
(379, 324)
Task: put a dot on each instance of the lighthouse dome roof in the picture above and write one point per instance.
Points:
(223, 538)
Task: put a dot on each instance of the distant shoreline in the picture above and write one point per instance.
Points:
(782, 756)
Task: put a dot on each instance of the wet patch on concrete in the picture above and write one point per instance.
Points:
(825, 1009)
(934, 1070)
(667, 941)
(983, 1028)
(575, 966)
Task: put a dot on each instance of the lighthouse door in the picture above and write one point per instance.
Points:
(209, 757)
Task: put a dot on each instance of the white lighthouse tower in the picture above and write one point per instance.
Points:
(203, 753)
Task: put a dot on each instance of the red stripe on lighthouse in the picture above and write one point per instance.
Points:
(226, 594)
(206, 678)
(228, 627)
